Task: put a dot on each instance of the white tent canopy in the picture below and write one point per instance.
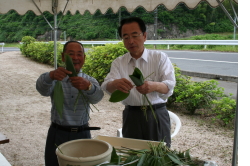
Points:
(57, 6)
(22, 6)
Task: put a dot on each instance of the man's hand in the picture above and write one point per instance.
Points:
(146, 88)
(150, 86)
(80, 83)
(59, 74)
(122, 84)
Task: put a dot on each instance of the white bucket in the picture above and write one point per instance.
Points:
(84, 152)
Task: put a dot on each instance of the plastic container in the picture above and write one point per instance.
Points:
(84, 152)
(119, 142)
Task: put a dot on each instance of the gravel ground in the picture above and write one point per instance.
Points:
(25, 118)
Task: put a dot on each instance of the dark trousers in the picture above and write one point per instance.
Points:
(137, 125)
(57, 137)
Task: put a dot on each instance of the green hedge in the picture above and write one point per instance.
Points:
(188, 95)
(99, 59)
(41, 51)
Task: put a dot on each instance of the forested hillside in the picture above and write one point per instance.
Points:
(104, 26)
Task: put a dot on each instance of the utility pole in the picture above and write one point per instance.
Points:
(120, 15)
(234, 27)
(119, 20)
(155, 27)
(64, 35)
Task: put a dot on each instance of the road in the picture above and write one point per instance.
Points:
(218, 63)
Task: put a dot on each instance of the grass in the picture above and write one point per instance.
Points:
(220, 36)
(195, 48)
(12, 45)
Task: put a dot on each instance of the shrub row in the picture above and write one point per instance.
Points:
(188, 95)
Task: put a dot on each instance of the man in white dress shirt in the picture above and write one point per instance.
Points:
(158, 86)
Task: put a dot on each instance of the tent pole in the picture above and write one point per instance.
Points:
(54, 9)
(235, 145)
(55, 40)
(227, 14)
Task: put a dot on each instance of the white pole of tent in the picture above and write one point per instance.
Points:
(55, 40)
(54, 9)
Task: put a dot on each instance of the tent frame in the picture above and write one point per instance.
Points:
(56, 25)
(234, 22)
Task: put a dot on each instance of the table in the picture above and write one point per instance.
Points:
(3, 139)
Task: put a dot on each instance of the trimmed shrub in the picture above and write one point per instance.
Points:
(182, 82)
(26, 40)
(199, 95)
(40, 51)
(99, 59)
(225, 110)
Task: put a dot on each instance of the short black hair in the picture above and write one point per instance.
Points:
(72, 41)
(130, 20)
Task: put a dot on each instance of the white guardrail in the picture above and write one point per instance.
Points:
(168, 42)
(171, 42)
(2, 44)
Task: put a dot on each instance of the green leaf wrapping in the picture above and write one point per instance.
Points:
(136, 81)
(118, 95)
(58, 97)
(137, 77)
(137, 72)
(70, 66)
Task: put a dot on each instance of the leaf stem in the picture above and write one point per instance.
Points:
(150, 105)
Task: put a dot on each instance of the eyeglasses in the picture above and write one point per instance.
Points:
(133, 36)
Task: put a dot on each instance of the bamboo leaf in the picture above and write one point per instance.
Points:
(136, 81)
(187, 155)
(58, 97)
(114, 156)
(76, 101)
(59, 148)
(174, 158)
(131, 159)
(70, 66)
(150, 160)
(166, 160)
(142, 159)
(137, 72)
(118, 95)
(150, 105)
(137, 77)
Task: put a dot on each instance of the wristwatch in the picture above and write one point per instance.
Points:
(90, 86)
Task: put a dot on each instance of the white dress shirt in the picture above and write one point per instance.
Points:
(151, 61)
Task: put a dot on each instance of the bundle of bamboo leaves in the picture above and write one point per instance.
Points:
(157, 155)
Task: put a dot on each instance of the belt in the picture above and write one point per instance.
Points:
(147, 107)
(74, 128)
